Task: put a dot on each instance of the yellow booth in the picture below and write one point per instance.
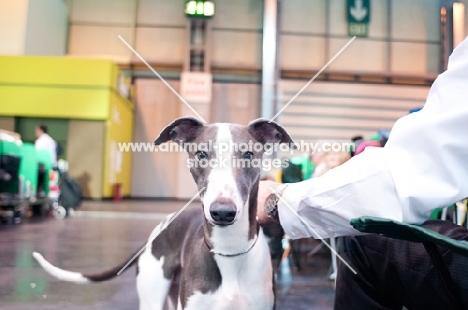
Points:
(87, 105)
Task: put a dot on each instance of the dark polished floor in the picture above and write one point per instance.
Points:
(102, 235)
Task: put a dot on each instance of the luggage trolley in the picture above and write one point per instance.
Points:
(64, 192)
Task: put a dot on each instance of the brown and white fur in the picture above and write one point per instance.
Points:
(220, 254)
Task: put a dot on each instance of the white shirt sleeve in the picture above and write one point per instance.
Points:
(423, 166)
(45, 142)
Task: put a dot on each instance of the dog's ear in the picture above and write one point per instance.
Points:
(181, 130)
(265, 131)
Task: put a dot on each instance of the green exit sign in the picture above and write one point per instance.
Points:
(358, 15)
(199, 8)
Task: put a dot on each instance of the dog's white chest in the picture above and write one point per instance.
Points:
(220, 302)
(247, 283)
(225, 299)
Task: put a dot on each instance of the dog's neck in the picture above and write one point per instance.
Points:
(238, 238)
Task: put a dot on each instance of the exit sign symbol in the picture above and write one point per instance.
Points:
(358, 15)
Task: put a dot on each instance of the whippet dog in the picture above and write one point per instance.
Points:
(220, 252)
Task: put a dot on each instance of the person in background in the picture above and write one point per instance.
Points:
(318, 159)
(331, 160)
(45, 142)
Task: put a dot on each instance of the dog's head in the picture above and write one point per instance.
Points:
(225, 160)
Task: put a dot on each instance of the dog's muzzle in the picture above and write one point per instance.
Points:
(223, 212)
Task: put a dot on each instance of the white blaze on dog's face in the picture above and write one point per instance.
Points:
(224, 161)
(222, 200)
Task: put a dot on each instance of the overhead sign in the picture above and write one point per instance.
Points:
(358, 12)
(199, 8)
(196, 87)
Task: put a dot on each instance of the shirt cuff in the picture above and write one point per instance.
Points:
(288, 210)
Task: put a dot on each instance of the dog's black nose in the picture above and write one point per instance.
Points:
(223, 212)
(223, 216)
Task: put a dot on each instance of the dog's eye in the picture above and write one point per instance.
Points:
(248, 155)
(201, 155)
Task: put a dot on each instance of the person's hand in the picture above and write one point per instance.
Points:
(263, 192)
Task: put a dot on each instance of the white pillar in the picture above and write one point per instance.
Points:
(458, 23)
(269, 58)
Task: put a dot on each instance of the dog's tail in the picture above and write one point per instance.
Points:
(77, 277)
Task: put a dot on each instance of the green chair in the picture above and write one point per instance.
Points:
(306, 164)
(430, 239)
(29, 167)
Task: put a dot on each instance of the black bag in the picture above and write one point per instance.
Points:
(71, 194)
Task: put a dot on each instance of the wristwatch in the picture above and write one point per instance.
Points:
(271, 203)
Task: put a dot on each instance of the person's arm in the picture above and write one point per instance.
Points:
(423, 166)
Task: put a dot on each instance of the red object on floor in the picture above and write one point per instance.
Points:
(117, 193)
